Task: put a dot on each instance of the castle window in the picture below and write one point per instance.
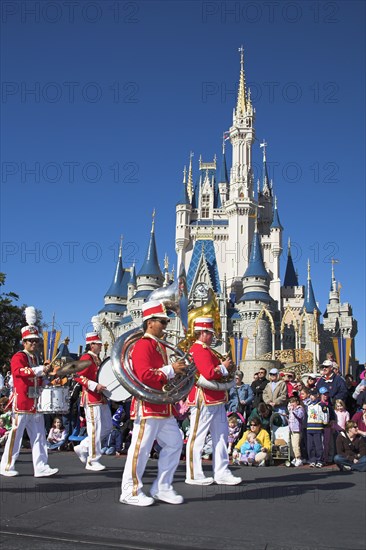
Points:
(205, 206)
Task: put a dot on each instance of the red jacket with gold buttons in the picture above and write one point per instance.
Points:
(24, 377)
(148, 356)
(206, 361)
(88, 396)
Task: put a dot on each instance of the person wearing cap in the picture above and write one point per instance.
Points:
(275, 392)
(208, 412)
(27, 378)
(152, 422)
(334, 382)
(97, 411)
(317, 419)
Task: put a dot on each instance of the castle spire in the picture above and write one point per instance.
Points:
(290, 274)
(266, 182)
(310, 302)
(276, 224)
(151, 264)
(190, 178)
(241, 104)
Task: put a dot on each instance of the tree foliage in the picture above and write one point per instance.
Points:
(11, 321)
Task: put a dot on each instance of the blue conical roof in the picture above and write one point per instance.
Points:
(132, 280)
(184, 196)
(310, 302)
(118, 286)
(256, 266)
(276, 224)
(151, 264)
(290, 274)
(224, 178)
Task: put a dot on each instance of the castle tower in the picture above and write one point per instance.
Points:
(276, 251)
(292, 298)
(240, 208)
(338, 318)
(255, 297)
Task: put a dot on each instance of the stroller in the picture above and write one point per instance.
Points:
(280, 439)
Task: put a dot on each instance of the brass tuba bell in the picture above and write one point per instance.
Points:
(175, 298)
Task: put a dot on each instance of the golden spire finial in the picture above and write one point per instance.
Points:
(241, 103)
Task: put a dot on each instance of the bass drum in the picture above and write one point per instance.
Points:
(107, 378)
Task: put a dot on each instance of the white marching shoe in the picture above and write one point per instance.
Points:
(46, 472)
(94, 466)
(200, 481)
(170, 496)
(139, 500)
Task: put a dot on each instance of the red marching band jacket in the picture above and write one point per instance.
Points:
(148, 356)
(24, 370)
(206, 361)
(88, 396)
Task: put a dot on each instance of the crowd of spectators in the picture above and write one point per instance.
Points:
(325, 414)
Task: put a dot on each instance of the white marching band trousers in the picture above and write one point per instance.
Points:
(34, 424)
(205, 418)
(145, 431)
(98, 426)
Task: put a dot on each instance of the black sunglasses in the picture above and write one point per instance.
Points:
(32, 341)
(162, 322)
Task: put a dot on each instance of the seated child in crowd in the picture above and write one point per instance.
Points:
(57, 434)
(249, 449)
(234, 432)
(3, 432)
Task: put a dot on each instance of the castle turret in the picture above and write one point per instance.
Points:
(183, 217)
(256, 297)
(150, 276)
(115, 298)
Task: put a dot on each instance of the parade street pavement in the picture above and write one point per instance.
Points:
(275, 508)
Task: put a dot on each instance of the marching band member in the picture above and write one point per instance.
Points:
(27, 373)
(208, 412)
(97, 411)
(152, 421)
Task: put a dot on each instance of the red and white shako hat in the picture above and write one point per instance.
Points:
(93, 338)
(30, 331)
(154, 308)
(204, 323)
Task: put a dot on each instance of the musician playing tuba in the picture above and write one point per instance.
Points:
(152, 421)
(208, 411)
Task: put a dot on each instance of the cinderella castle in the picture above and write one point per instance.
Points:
(229, 237)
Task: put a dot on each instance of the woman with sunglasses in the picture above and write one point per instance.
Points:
(263, 439)
(27, 377)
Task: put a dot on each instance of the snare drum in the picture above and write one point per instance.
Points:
(107, 378)
(54, 399)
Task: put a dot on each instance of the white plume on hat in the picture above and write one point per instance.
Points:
(30, 315)
(96, 324)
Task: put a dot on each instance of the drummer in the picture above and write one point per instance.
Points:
(27, 379)
(97, 411)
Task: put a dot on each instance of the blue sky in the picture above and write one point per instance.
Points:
(102, 102)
